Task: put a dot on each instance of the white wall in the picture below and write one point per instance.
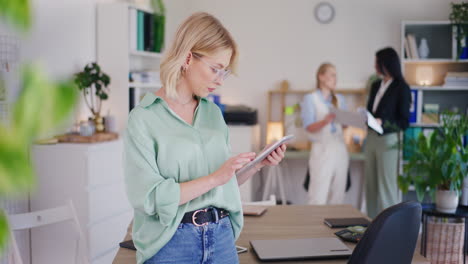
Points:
(281, 39)
(278, 39)
(62, 38)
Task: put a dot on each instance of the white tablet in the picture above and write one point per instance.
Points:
(264, 154)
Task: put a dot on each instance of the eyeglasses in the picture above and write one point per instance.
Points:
(220, 73)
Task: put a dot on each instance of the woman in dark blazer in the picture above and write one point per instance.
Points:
(389, 102)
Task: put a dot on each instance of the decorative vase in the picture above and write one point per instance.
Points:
(423, 49)
(446, 201)
(98, 123)
(86, 128)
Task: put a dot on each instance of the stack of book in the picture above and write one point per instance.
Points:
(411, 49)
(144, 31)
(456, 80)
(430, 114)
(149, 77)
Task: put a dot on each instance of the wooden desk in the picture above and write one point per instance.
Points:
(282, 222)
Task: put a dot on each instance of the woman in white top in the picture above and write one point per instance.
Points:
(329, 159)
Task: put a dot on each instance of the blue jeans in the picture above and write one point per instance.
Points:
(213, 243)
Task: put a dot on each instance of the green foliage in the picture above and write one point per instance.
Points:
(438, 161)
(459, 18)
(17, 12)
(92, 80)
(3, 230)
(158, 7)
(459, 14)
(41, 106)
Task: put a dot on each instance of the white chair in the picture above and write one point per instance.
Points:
(270, 202)
(41, 218)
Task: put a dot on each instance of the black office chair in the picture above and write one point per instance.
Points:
(391, 237)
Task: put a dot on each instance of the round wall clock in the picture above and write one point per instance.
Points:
(324, 12)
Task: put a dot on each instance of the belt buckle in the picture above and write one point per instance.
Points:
(194, 217)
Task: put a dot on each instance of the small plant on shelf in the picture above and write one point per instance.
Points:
(93, 83)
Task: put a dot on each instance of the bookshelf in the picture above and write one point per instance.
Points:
(119, 54)
(427, 75)
(278, 119)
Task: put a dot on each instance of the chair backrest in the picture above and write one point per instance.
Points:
(391, 237)
(41, 218)
(270, 202)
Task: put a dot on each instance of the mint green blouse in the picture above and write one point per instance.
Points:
(161, 151)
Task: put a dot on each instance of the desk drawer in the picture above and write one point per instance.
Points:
(107, 201)
(108, 234)
(105, 165)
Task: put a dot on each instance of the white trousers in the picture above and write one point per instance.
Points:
(328, 168)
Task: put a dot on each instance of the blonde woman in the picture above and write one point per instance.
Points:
(179, 175)
(329, 159)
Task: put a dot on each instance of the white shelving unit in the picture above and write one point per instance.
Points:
(117, 58)
(441, 39)
(145, 85)
(148, 54)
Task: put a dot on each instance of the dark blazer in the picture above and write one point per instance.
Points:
(394, 106)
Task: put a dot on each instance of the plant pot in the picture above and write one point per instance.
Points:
(446, 201)
(98, 123)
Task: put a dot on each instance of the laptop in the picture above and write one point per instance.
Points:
(300, 249)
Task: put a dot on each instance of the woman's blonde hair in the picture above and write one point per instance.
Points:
(202, 34)
(321, 70)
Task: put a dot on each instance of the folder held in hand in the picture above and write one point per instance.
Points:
(372, 123)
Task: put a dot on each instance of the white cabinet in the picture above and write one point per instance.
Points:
(245, 139)
(91, 175)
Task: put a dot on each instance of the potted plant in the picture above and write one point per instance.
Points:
(459, 19)
(438, 163)
(93, 83)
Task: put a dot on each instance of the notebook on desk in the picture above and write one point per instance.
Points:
(346, 221)
(300, 249)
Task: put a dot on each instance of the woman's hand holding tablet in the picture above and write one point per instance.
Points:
(264, 154)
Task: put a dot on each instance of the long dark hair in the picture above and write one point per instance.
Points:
(389, 62)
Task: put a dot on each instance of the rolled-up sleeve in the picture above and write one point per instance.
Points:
(307, 111)
(147, 190)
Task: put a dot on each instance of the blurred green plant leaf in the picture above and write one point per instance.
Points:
(16, 12)
(41, 104)
(16, 173)
(3, 229)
